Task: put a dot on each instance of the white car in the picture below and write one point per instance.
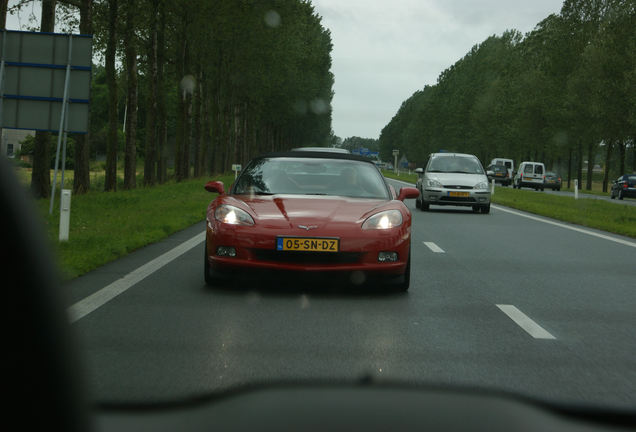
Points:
(455, 179)
(531, 175)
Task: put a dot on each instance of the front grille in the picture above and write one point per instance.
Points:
(306, 257)
(458, 187)
(457, 199)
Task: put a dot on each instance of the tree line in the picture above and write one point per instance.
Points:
(200, 85)
(562, 94)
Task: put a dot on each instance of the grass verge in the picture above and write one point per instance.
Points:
(404, 176)
(105, 226)
(593, 213)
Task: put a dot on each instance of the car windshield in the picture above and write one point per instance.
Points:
(246, 192)
(454, 164)
(312, 176)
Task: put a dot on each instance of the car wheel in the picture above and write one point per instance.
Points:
(476, 209)
(405, 283)
(541, 189)
(418, 202)
(620, 194)
(485, 209)
(424, 206)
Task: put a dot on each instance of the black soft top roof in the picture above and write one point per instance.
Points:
(314, 155)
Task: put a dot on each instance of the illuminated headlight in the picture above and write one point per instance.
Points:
(387, 257)
(482, 185)
(233, 215)
(433, 183)
(383, 220)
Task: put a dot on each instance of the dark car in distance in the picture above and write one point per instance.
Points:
(552, 181)
(624, 186)
(499, 173)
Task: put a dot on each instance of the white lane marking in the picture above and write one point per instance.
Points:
(523, 321)
(109, 292)
(432, 246)
(573, 228)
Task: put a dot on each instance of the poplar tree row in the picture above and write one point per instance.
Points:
(562, 94)
(193, 86)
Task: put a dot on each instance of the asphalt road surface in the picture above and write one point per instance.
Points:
(498, 301)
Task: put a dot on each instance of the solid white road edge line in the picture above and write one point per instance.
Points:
(523, 321)
(562, 225)
(432, 246)
(109, 292)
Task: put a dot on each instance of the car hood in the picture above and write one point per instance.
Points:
(320, 211)
(457, 179)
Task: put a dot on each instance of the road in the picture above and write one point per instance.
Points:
(498, 301)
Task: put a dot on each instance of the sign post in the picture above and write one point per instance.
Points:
(45, 86)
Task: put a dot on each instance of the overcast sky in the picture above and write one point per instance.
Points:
(385, 50)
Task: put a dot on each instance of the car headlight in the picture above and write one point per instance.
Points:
(482, 185)
(433, 183)
(383, 220)
(233, 215)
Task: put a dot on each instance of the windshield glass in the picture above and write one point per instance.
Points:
(200, 253)
(455, 164)
(312, 176)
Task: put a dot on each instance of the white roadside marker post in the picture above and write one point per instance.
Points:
(576, 189)
(492, 192)
(65, 214)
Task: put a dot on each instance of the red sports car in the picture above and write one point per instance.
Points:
(310, 212)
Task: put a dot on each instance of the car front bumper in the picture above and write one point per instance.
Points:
(444, 196)
(356, 253)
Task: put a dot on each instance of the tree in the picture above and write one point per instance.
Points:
(41, 174)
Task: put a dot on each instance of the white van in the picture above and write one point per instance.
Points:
(508, 163)
(530, 174)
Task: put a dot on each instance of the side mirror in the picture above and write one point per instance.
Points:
(419, 171)
(215, 186)
(408, 193)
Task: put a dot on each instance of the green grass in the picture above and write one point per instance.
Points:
(404, 176)
(105, 226)
(593, 213)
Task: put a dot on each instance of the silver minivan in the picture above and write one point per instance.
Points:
(455, 179)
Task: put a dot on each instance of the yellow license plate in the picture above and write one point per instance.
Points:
(459, 194)
(307, 244)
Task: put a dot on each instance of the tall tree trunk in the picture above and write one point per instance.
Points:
(130, 159)
(569, 166)
(621, 157)
(3, 13)
(579, 164)
(162, 131)
(196, 124)
(608, 155)
(110, 183)
(41, 174)
(591, 155)
(150, 163)
(81, 176)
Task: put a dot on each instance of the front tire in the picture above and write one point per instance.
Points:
(424, 206)
(485, 209)
(620, 194)
(404, 285)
